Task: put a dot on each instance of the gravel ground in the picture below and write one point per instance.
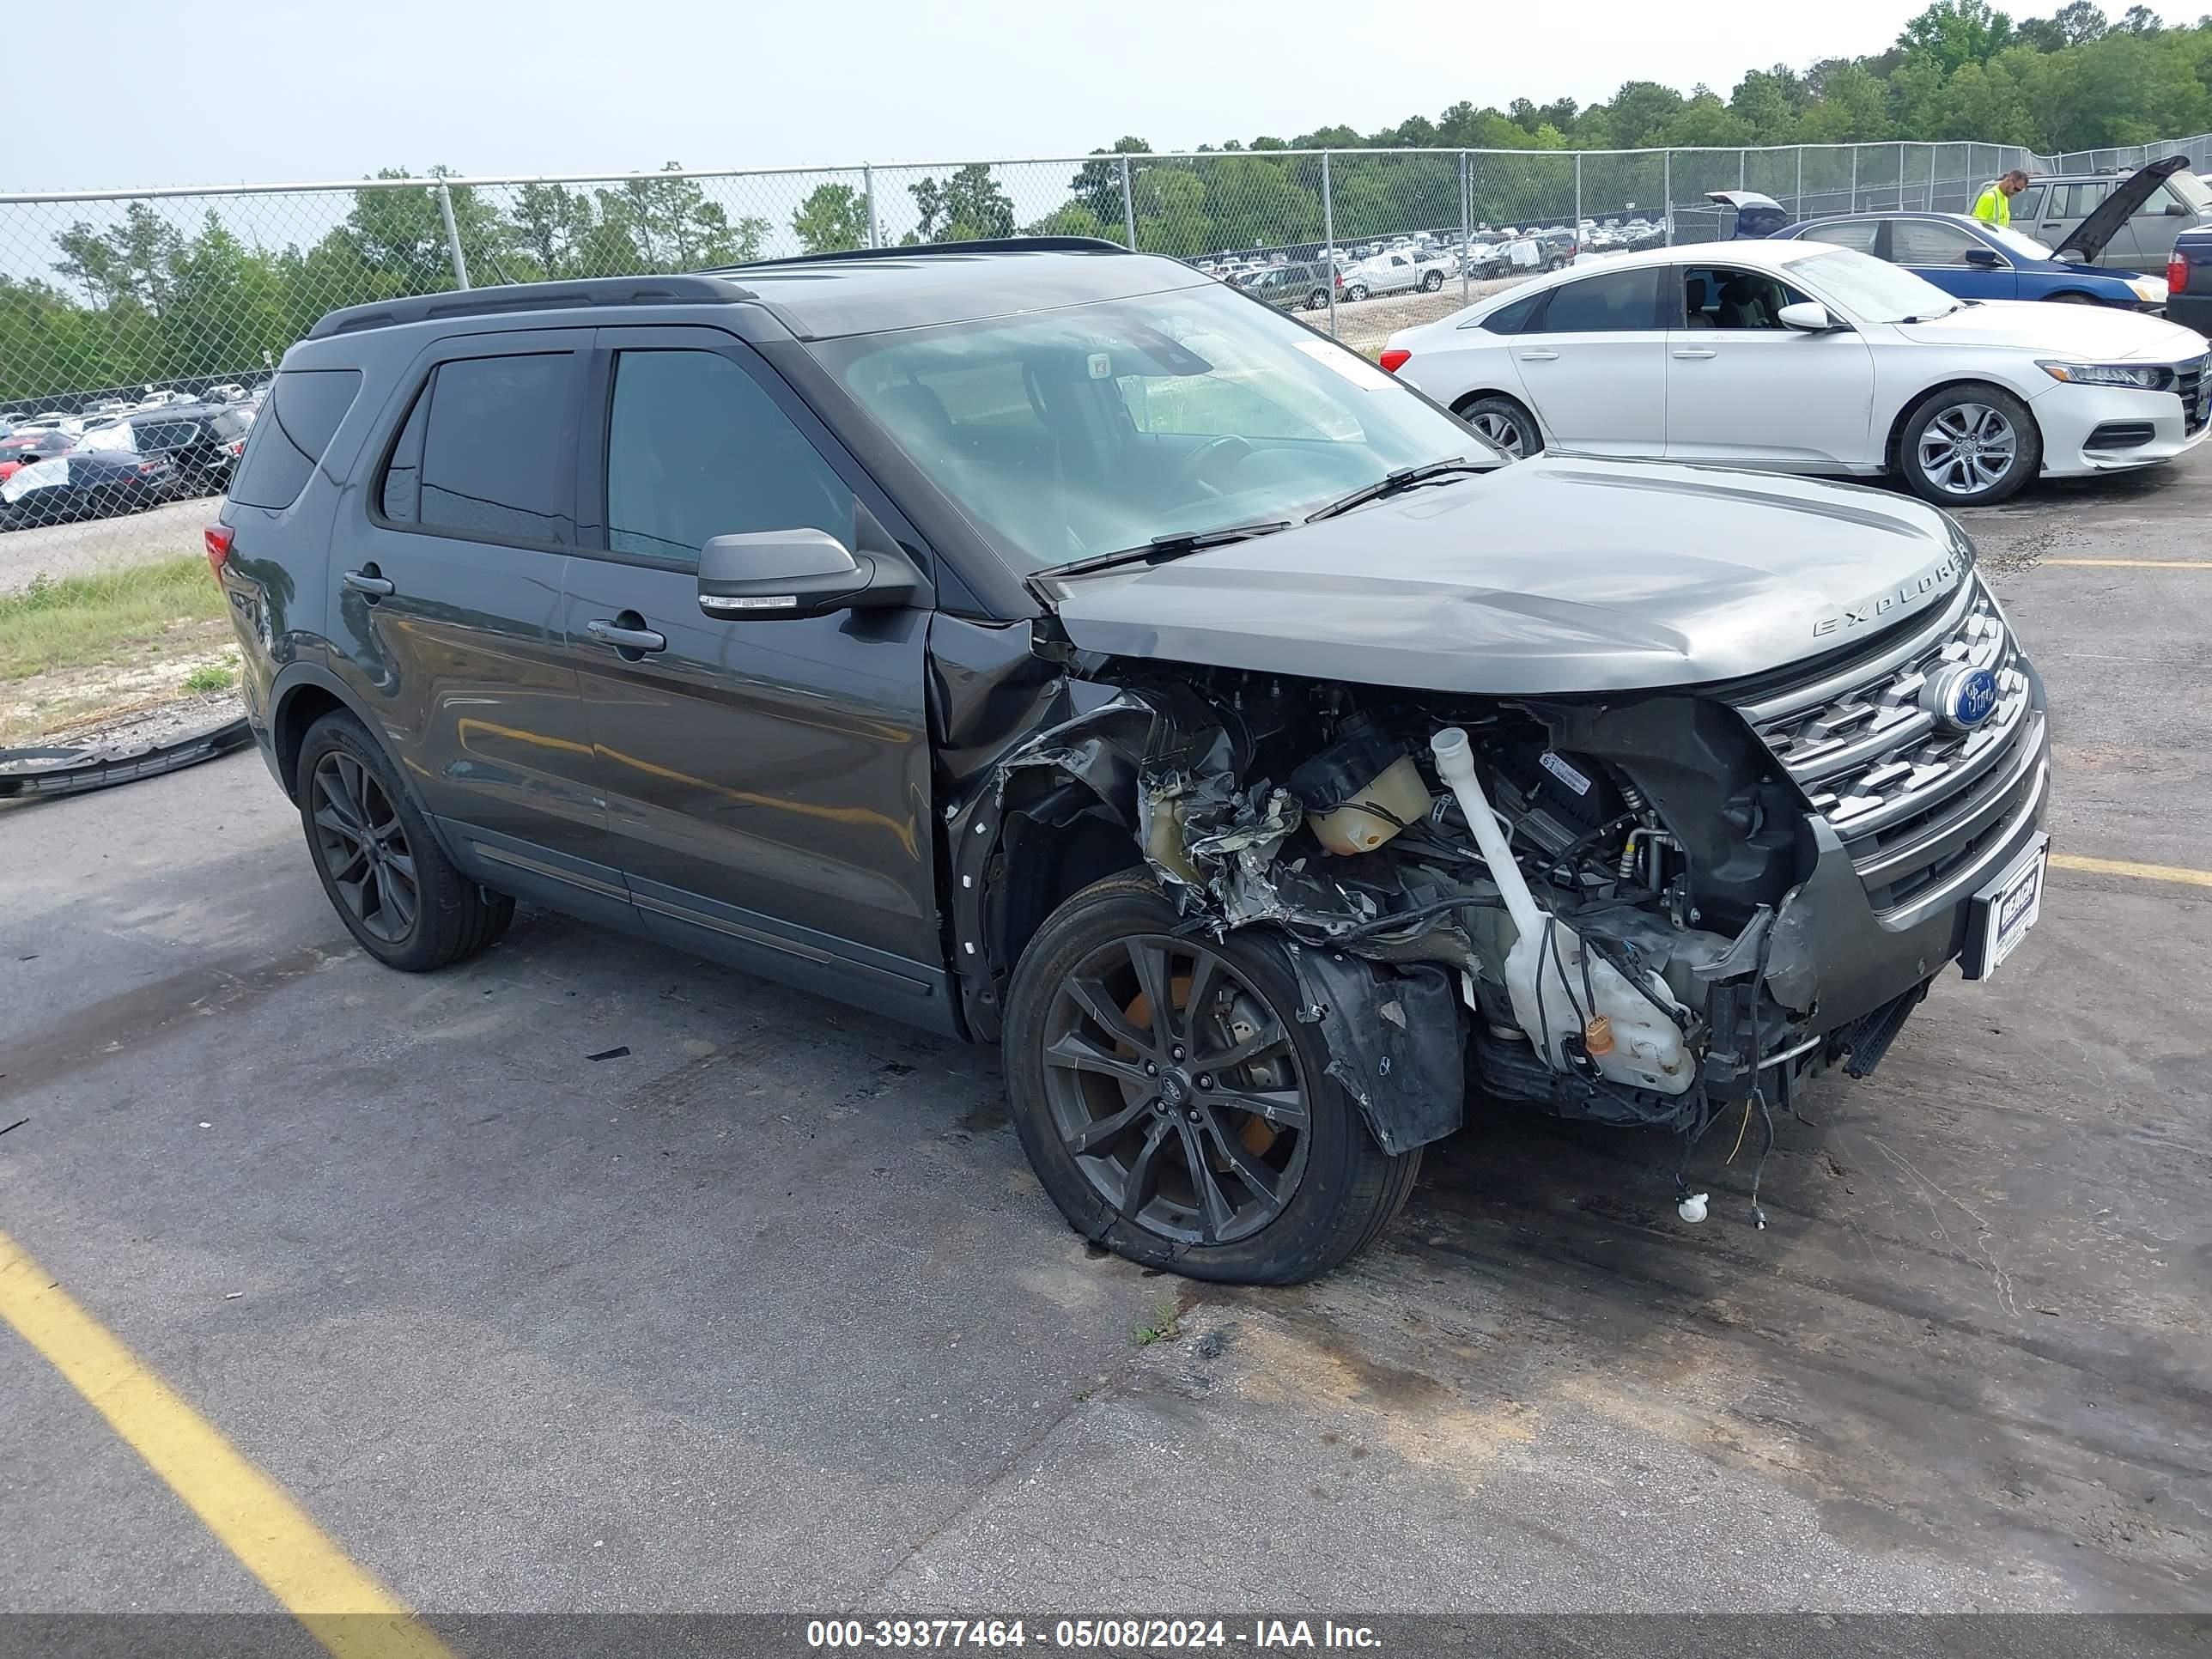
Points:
(76, 549)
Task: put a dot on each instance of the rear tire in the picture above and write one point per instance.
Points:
(1356, 291)
(1970, 445)
(1127, 1110)
(1433, 281)
(1504, 422)
(399, 896)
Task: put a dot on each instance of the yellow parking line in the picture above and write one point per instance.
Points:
(342, 1608)
(2140, 871)
(2133, 564)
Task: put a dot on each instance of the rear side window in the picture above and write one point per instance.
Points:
(1858, 234)
(483, 452)
(1616, 304)
(294, 426)
(1511, 320)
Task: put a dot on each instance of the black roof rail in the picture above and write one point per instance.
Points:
(674, 291)
(926, 250)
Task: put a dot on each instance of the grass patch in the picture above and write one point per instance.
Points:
(1166, 1323)
(81, 621)
(213, 676)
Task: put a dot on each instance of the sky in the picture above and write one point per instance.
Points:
(322, 89)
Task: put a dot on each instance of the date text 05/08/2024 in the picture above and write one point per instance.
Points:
(1118, 1634)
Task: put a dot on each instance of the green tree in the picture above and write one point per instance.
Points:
(833, 219)
(1957, 31)
(968, 206)
(1098, 185)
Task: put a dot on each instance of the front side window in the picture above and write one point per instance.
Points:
(1097, 428)
(1722, 297)
(1619, 302)
(483, 452)
(1923, 242)
(695, 449)
(1858, 234)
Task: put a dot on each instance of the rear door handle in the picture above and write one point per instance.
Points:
(377, 587)
(1696, 351)
(1540, 356)
(607, 631)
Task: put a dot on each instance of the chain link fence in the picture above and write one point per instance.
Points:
(122, 297)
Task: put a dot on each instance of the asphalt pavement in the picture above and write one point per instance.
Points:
(768, 1313)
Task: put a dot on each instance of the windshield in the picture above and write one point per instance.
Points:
(1870, 290)
(2192, 191)
(1099, 427)
(2020, 247)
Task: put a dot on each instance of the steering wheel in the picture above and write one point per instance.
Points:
(1197, 464)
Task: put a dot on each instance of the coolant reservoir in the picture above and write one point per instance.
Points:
(1394, 799)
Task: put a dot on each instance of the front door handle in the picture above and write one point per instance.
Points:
(608, 630)
(1687, 352)
(1540, 356)
(367, 581)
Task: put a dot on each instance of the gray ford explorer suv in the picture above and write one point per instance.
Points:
(1048, 645)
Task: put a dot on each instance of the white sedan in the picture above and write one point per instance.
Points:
(1804, 358)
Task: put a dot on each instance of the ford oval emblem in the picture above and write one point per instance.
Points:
(1961, 697)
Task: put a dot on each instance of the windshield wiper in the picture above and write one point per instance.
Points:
(1164, 547)
(1393, 483)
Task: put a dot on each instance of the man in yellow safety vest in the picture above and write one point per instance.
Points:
(1995, 205)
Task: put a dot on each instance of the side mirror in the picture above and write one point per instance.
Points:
(767, 574)
(2178, 210)
(1808, 316)
(1986, 257)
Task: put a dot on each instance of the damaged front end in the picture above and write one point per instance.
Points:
(1630, 910)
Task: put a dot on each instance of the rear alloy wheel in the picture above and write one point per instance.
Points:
(389, 880)
(1969, 446)
(1174, 1106)
(1504, 422)
(1356, 291)
(1433, 281)
(1318, 300)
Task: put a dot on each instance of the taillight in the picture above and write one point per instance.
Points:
(2176, 273)
(236, 446)
(1394, 359)
(218, 536)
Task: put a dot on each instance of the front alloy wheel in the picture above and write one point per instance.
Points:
(1173, 1104)
(1969, 446)
(1174, 1087)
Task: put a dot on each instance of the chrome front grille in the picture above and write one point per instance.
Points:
(1913, 800)
(2188, 384)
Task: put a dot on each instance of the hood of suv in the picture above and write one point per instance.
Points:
(2089, 237)
(1552, 576)
(2078, 333)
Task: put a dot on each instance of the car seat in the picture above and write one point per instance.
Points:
(1693, 302)
(1745, 304)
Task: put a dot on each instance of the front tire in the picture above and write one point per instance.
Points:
(1970, 445)
(401, 898)
(1174, 1105)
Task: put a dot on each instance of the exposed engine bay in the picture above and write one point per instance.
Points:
(1605, 908)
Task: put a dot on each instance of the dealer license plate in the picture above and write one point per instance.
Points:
(2004, 911)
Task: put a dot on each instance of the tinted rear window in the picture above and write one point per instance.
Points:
(481, 453)
(296, 426)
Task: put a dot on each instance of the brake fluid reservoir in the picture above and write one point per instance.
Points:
(1370, 815)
